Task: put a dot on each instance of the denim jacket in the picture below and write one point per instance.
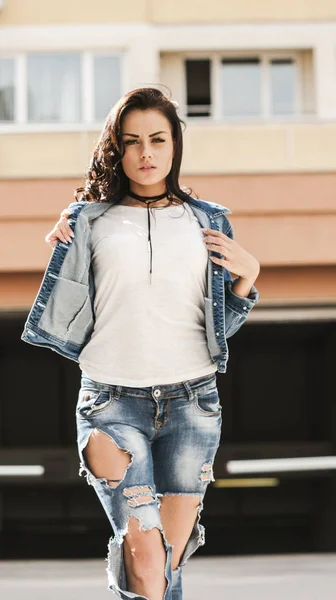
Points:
(62, 315)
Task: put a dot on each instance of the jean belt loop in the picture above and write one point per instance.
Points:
(189, 390)
(116, 390)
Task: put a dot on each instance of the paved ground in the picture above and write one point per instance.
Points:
(282, 577)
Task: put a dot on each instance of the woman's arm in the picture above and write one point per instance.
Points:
(241, 295)
(62, 230)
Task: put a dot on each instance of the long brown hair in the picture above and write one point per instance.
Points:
(105, 178)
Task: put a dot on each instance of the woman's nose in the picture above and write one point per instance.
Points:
(146, 152)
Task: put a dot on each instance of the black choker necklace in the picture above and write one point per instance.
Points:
(144, 198)
(148, 200)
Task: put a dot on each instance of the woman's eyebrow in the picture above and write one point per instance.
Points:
(151, 135)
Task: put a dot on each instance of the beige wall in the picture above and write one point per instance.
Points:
(47, 12)
(241, 10)
(208, 150)
(37, 12)
(48, 154)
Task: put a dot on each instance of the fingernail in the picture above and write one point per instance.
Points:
(72, 234)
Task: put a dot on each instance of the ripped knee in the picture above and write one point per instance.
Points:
(139, 495)
(207, 473)
(105, 459)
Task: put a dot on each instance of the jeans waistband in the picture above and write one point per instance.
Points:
(166, 389)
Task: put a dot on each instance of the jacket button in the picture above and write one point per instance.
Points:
(216, 272)
(217, 332)
(215, 303)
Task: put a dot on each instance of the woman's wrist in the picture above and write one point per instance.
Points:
(242, 285)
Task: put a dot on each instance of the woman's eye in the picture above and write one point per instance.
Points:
(129, 142)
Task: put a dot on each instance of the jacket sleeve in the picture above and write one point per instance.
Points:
(237, 307)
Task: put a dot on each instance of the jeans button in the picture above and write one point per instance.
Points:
(157, 393)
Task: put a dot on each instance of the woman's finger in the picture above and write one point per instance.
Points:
(49, 241)
(217, 242)
(63, 229)
(64, 219)
(57, 234)
(217, 248)
(216, 233)
(222, 262)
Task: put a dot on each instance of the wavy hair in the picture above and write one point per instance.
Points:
(105, 178)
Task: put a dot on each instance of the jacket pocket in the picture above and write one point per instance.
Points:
(68, 313)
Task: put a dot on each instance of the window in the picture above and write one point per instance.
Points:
(240, 84)
(256, 86)
(53, 83)
(58, 88)
(198, 88)
(282, 87)
(6, 89)
(106, 84)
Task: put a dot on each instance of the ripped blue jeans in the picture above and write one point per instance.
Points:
(171, 433)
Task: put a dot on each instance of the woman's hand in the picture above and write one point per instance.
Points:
(62, 230)
(235, 258)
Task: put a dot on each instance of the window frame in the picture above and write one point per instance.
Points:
(9, 56)
(87, 122)
(265, 57)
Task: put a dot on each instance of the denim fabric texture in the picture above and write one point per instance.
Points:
(171, 433)
(62, 317)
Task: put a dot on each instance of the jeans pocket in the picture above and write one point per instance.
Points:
(207, 402)
(92, 402)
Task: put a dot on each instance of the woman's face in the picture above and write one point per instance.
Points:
(148, 140)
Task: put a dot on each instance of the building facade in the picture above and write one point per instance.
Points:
(256, 86)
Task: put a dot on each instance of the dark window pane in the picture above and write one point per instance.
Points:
(198, 88)
(6, 89)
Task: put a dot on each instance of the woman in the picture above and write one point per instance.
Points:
(148, 411)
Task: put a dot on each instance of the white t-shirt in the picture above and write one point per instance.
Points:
(148, 334)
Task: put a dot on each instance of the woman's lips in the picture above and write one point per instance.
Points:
(146, 168)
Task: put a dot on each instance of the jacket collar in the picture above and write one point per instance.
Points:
(92, 210)
(211, 208)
